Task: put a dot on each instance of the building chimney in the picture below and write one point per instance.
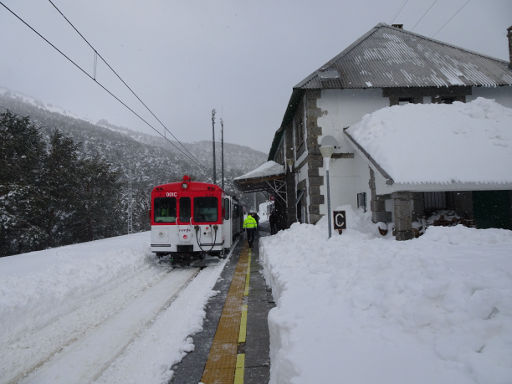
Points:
(399, 26)
(509, 35)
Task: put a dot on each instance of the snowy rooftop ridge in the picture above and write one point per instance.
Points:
(461, 143)
(269, 168)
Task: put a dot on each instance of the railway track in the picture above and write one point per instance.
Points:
(86, 338)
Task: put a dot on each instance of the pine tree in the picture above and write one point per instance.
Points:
(99, 213)
(21, 154)
(60, 187)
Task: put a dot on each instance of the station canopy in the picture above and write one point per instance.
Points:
(268, 177)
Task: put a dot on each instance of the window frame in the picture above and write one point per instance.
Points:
(196, 210)
(157, 205)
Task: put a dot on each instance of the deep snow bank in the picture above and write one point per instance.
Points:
(34, 282)
(363, 309)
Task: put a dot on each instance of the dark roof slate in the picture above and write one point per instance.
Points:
(387, 57)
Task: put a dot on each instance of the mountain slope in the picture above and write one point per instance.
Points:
(143, 160)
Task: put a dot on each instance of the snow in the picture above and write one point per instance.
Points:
(440, 143)
(362, 308)
(103, 311)
(269, 168)
(357, 308)
(264, 210)
(39, 104)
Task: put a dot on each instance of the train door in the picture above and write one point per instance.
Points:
(227, 222)
(185, 233)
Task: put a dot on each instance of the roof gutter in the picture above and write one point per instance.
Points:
(389, 179)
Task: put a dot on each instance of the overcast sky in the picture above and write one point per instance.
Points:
(186, 57)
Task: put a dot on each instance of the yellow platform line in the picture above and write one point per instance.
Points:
(248, 276)
(222, 360)
(243, 325)
(240, 369)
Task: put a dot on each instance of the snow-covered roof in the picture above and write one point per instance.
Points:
(439, 143)
(269, 168)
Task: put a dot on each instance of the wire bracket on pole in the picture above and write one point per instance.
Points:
(213, 143)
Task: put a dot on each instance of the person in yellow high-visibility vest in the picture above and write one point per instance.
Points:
(250, 226)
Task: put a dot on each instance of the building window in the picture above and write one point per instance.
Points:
(402, 100)
(361, 201)
(434, 201)
(443, 99)
(405, 100)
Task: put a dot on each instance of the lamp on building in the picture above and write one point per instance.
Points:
(289, 162)
(327, 146)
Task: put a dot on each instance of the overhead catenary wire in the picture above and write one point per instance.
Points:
(424, 14)
(100, 84)
(97, 54)
(452, 17)
(399, 11)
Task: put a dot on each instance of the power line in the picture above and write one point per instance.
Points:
(97, 82)
(399, 11)
(451, 18)
(97, 54)
(425, 14)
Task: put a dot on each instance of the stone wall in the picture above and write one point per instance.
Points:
(315, 160)
(301, 186)
(403, 208)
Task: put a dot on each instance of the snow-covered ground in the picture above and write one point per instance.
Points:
(359, 308)
(103, 312)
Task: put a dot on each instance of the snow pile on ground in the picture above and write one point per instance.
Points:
(102, 312)
(36, 281)
(264, 210)
(362, 309)
(461, 142)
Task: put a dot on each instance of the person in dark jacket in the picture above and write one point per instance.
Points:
(273, 220)
(257, 218)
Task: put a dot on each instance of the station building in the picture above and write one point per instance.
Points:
(389, 66)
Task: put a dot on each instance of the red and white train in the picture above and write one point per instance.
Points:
(191, 218)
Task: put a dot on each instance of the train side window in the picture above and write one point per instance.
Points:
(185, 209)
(165, 210)
(205, 209)
(225, 209)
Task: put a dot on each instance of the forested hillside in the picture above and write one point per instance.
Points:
(138, 161)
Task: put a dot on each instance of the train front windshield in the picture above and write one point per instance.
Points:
(165, 210)
(206, 209)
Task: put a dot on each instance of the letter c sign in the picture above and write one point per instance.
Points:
(340, 221)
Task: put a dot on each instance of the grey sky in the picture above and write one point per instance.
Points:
(186, 57)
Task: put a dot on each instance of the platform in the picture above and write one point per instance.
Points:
(233, 347)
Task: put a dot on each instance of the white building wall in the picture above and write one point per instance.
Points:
(340, 109)
(344, 107)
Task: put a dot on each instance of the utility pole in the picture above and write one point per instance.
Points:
(213, 134)
(222, 151)
(130, 204)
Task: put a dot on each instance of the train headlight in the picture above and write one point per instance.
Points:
(184, 185)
